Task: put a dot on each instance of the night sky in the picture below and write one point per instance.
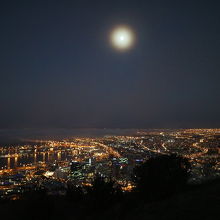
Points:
(59, 70)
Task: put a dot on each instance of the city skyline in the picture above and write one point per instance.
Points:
(45, 162)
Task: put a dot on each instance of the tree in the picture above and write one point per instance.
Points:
(102, 188)
(102, 192)
(162, 176)
(74, 194)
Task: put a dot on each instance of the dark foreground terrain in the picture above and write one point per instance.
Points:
(200, 202)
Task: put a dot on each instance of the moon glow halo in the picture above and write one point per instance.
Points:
(122, 38)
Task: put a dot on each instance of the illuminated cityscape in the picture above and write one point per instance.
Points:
(109, 110)
(54, 164)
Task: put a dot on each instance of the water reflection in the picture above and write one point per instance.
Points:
(29, 155)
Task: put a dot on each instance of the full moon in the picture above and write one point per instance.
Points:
(122, 38)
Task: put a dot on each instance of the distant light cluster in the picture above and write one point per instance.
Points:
(79, 160)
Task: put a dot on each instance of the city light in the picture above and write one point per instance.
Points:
(79, 160)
